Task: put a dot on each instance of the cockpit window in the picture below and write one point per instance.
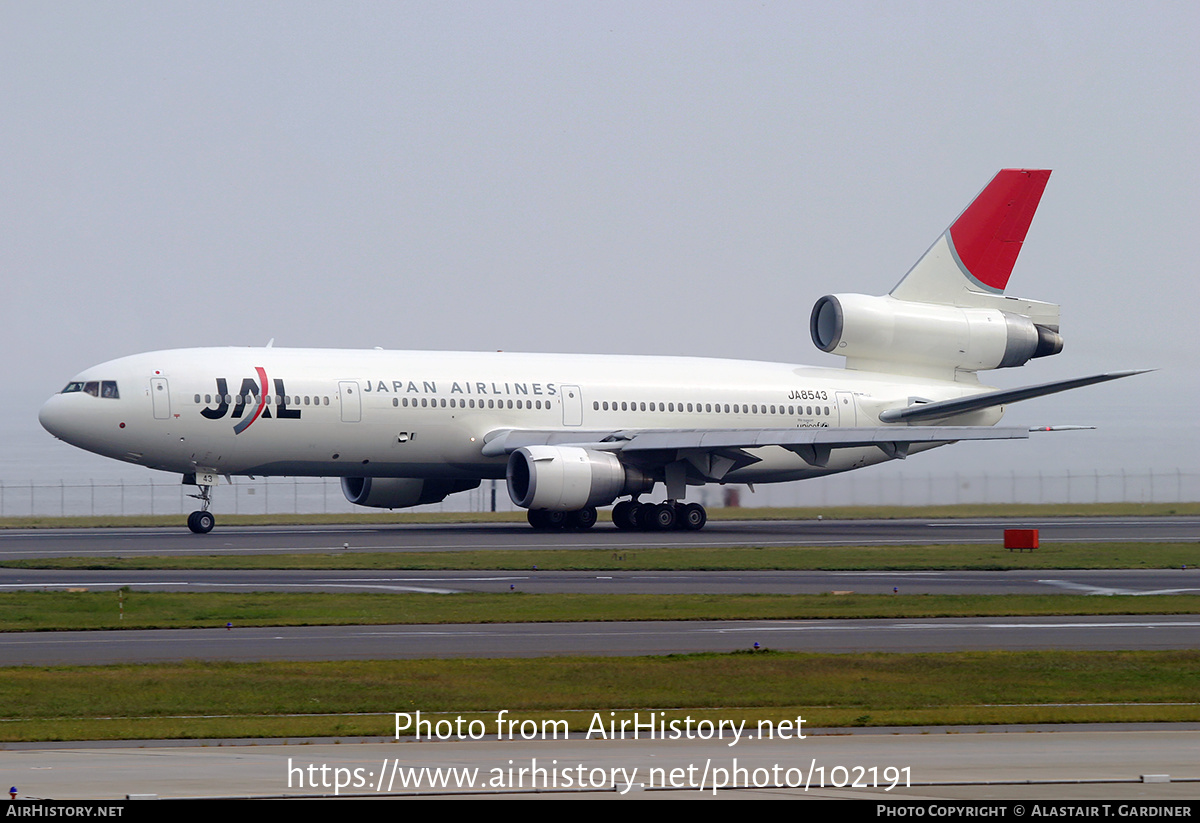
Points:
(96, 388)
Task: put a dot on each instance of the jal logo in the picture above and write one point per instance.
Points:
(250, 400)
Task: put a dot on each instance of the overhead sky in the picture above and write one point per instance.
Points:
(661, 178)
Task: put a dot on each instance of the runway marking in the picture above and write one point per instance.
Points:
(1107, 591)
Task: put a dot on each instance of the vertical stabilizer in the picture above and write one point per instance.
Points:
(975, 256)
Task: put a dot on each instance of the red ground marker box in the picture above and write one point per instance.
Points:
(1021, 539)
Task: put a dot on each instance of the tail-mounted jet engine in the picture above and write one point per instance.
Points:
(875, 332)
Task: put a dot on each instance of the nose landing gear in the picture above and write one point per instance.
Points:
(202, 521)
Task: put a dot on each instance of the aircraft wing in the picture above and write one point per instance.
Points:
(718, 451)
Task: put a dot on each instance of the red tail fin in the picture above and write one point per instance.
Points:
(987, 236)
(975, 256)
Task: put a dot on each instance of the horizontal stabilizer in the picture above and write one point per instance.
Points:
(987, 400)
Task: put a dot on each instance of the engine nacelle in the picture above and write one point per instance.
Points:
(568, 478)
(400, 492)
(870, 329)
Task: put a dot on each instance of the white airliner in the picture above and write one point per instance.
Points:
(573, 432)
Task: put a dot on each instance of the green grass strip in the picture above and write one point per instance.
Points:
(978, 557)
(197, 700)
(61, 611)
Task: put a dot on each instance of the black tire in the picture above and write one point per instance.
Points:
(582, 519)
(627, 514)
(546, 520)
(659, 518)
(621, 516)
(693, 517)
(201, 522)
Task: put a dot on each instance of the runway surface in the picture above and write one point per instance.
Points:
(1044, 581)
(28, 543)
(598, 639)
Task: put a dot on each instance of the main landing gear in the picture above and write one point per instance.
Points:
(202, 522)
(628, 515)
(631, 515)
(579, 520)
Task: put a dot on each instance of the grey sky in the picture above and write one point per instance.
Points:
(675, 178)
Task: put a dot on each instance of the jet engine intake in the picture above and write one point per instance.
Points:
(569, 478)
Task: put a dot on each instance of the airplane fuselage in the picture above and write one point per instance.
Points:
(374, 413)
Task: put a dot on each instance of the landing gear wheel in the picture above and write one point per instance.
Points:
(544, 520)
(201, 522)
(659, 518)
(625, 515)
(692, 517)
(583, 519)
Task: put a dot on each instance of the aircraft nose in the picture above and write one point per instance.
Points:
(55, 417)
(66, 417)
